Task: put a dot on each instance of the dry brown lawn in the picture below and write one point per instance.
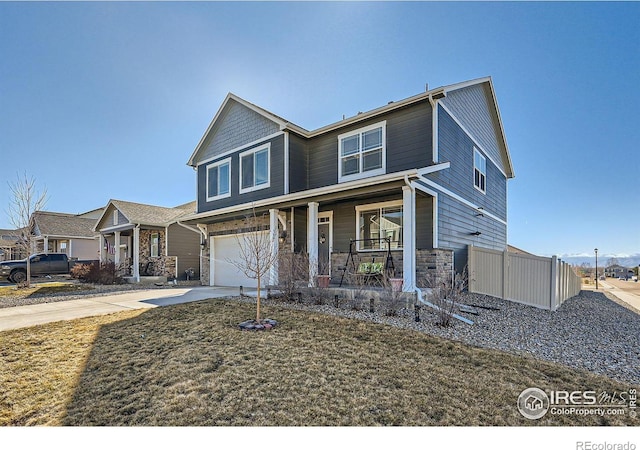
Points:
(190, 365)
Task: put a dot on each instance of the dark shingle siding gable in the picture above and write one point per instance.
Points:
(237, 126)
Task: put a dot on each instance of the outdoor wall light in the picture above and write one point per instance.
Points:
(283, 236)
(323, 238)
(203, 244)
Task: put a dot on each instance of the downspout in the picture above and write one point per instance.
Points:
(434, 128)
(417, 290)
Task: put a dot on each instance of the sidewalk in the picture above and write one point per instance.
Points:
(27, 316)
(627, 297)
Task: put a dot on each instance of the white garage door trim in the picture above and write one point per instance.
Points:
(228, 274)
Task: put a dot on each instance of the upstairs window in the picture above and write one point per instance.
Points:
(361, 153)
(219, 180)
(479, 171)
(254, 169)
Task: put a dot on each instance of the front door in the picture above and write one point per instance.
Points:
(325, 242)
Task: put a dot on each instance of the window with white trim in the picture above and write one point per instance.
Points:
(219, 180)
(479, 171)
(361, 153)
(254, 169)
(155, 245)
(378, 222)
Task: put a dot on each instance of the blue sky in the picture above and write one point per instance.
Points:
(109, 100)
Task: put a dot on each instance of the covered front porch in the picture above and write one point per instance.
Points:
(138, 253)
(360, 236)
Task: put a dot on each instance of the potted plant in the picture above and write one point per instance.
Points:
(323, 281)
(396, 284)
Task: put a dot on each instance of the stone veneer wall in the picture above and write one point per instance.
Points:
(438, 263)
(163, 266)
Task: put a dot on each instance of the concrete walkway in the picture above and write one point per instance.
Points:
(27, 316)
(627, 297)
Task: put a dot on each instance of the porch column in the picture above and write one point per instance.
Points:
(312, 242)
(273, 243)
(116, 243)
(46, 245)
(136, 253)
(101, 248)
(408, 238)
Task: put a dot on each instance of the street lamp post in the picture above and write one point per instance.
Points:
(596, 250)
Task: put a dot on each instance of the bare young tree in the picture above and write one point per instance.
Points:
(257, 254)
(25, 200)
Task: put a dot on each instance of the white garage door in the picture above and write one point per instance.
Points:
(224, 272)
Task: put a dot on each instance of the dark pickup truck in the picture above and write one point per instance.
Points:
(41, 264)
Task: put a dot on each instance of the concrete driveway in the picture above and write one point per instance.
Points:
(27, 316)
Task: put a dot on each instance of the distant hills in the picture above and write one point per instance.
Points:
(603, 260)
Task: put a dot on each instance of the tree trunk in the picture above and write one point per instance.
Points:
(28, 280)
(258, 302)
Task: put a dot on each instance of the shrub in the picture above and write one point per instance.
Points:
(98, 273)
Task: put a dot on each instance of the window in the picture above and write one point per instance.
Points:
(479, 171)
(219, 180)
(115, 217)
(254, 169)
(361, 153)
(378, 222)
(155, 245)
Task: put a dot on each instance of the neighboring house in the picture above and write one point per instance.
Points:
(149, 240)
(518, 251)
(9, 248)
(617, 271)
(419, 179)
(72, 234)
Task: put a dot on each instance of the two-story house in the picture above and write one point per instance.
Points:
(419, 179)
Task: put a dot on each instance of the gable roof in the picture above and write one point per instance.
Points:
(433, 94)
(48, 223)
(151, 215)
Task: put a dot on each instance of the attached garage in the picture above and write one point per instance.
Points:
(226, 252)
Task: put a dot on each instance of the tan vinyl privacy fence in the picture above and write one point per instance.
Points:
(533, 280)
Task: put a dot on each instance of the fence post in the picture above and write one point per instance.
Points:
(554, 283)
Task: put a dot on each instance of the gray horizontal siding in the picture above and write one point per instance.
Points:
(408, 145)
(277, 179)
(298, 164)
(457, 148)
(184, 244)
(457, 221)
(424, 222)
(471, 107)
